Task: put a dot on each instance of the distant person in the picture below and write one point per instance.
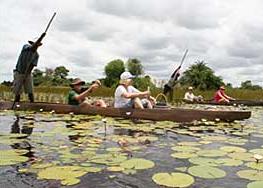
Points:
(169, 87)
(77, 96)
(221, 97)
(127, 96)
(189, 96)
(27, 60)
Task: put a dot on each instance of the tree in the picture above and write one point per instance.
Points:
(248, 85)
(135, 67)
(201, 76)
(60, 76)
(142, 83)
(113, 71)
(61, 72)
(38, 78)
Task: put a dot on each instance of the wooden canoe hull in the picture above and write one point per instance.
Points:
(231, 103)
(175, 114)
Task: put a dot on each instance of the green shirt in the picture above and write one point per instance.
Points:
(71, 98)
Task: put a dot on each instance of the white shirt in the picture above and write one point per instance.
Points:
(119, 100)
(189, 96)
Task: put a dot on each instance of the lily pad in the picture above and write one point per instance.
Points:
(211, 153)
(204, 161)
(255, 184)
(254, 175)
(10, 157)
(189, 149)
(183, 155)
(137, 164)
(255, 165)
(206, 172)
(229, 162)
(257, 151)
(173, 179)
(242, 156)
(115, 168)
(67, 174)
(188, 144)
(232, 149)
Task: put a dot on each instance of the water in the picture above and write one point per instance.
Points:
(64, 140)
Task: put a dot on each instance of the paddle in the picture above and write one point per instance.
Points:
(29, 68)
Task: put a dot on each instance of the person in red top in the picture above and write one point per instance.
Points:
(221, 97)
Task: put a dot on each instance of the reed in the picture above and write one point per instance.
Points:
(59, 94)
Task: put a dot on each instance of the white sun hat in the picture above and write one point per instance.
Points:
(126, 75)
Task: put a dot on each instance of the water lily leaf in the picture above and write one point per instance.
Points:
(188, 149)
(188, 144)
(113, 149)
(137, 164)
(181, 169)
(183, 155)
(129, 171)
(255, 165)
(255, 184)
(211, 153)
(91, 169)
(70, 181)
(206, 172)
(254, 175)
(257, 151)
(10, 157)
(229, 162)
(233, 149)
(115, 168)
(108, 159)
(173, 179)
(42, 165)
(67, 174)
(204, 161)
(242, 156)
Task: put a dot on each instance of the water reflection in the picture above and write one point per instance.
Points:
(26, 131)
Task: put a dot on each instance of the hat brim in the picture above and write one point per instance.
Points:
(31, 42)
(77, 83)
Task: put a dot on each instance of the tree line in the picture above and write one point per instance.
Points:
(198, 75)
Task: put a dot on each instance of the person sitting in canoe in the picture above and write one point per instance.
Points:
(77, 96)
(221, 97)
(189, 96)
(127, 96)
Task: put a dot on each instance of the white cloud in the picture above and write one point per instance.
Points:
(87, 34)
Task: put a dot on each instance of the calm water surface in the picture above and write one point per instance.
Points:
(67, 140)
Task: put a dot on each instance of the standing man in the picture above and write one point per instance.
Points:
(27, 60)
(169, 87)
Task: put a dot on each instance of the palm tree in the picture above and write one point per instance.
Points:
(200, 76)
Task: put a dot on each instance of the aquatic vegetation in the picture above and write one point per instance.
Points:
(72, 148)
(206, 172)
(173, 179)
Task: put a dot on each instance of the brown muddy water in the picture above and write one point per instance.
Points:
(49, 150)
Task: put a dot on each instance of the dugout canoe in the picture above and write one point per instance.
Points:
(174, 114)
(231, 103)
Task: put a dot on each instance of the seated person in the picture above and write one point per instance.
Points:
(127, 96)
(78, 97)
(189, 96)
(221, 97)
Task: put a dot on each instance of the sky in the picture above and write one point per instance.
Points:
(87, 34)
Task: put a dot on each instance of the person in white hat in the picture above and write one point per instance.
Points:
(189, 96)
(127, 96)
